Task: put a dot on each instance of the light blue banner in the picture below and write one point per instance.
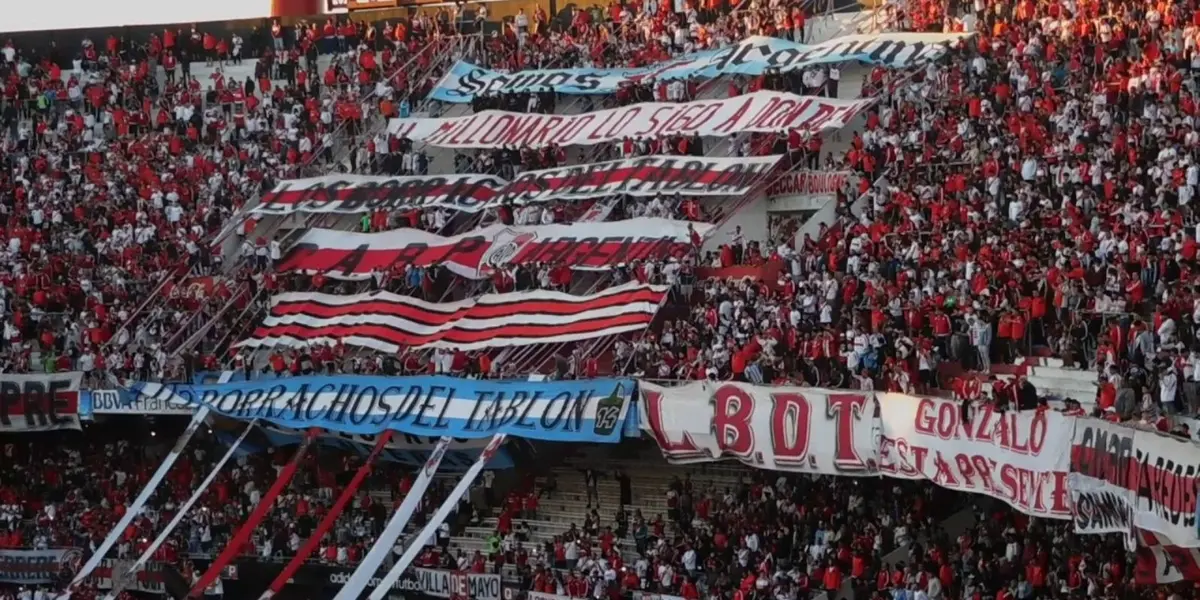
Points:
(575, 411)
(752, 56)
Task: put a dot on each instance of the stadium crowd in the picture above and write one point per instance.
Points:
(1031, 192)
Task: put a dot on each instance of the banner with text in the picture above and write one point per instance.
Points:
(43, 402)
(581, 411)
(1101, 507)
(388, 322)
(810, 183)
(1018, 457)
(752, 56)
(782, 428)
(480, 253)
(642, 176)
(759, 112)
(120, 402)
(1159, 471)
(28, 567)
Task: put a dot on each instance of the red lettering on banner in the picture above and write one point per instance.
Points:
(656, 125)
(540, 138)
(943, 420)
(846, 410)
(684, 447)
(791, 422)
(731, 421)
(734, 119)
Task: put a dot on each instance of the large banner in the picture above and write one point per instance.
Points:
(480, 253)
(752, 56)
(30, 567)
(761, 112)
(576, 411)
(810, 183)
(781, 428)
(1159, 471)
(388, 322)
(42, 402)
(1018, 457)
(642, 176)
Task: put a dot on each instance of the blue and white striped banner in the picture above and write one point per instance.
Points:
(577, 411)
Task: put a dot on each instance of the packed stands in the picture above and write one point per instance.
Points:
(1005, 236)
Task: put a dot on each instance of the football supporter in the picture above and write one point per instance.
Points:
(123, 168)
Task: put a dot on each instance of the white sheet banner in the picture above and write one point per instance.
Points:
(762, 112)
(1100, 507)
(395, 527)
(417, 544)
(480, 253)
(1159, 471)
(645, 176)
(808, 430)
(1018, 457)
(135, 509)
(751, 56)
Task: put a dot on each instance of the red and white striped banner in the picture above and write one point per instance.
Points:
(809, 183)
(642, 176)
(388, 322)
(478, 254)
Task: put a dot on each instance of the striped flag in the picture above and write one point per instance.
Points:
(387, 322)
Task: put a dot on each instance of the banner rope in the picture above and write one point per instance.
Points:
(133, 510)
(450, 505)
(260, 512)
(370, 563)
(327, 523)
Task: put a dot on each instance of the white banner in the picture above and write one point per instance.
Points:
(810, 183)
(418, 542)
(479, 253)
(1018, 457)
(1100, 507)
(782, 428)
(1159, 471)
(762, 112)
(642, 176)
